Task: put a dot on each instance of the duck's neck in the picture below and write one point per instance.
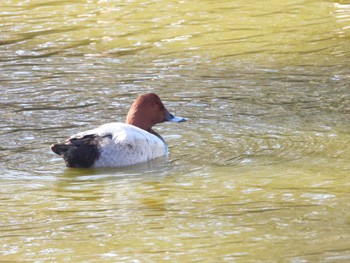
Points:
(138, 121)
(139, 124)
(157, 134)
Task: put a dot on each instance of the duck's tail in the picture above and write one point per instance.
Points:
(61, 148)
(82, 152)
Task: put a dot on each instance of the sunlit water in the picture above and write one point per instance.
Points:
(260, 172)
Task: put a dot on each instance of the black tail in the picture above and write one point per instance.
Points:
(78, 152)
(60, 148)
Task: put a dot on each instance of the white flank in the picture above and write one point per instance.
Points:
(123, 144)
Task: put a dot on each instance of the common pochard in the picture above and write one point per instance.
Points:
(120, 144)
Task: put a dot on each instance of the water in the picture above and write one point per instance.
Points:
(258, 173)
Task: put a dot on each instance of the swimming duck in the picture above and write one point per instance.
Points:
(120, 144)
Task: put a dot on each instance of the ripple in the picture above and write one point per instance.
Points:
(259, 148)
(262, 83)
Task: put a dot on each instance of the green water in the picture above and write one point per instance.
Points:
(259, 173)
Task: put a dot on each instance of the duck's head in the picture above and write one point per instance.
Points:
(148, 110)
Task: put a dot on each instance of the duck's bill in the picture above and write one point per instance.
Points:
(178, 119)
(170, 117)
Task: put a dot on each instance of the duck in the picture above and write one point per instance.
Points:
(119, 144)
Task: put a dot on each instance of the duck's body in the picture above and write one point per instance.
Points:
(120, 144)
(112, 144)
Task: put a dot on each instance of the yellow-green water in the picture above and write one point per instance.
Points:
(259, 173)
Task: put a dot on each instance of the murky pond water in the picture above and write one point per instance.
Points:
(260, 172)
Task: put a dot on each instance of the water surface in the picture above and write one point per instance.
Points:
(258, 173)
